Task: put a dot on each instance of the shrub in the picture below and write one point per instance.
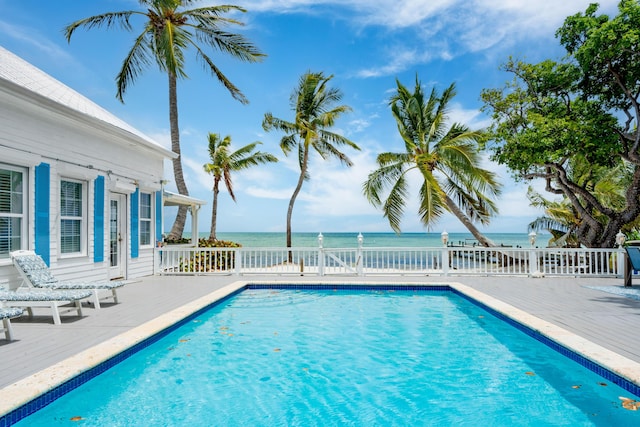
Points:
(207, 261)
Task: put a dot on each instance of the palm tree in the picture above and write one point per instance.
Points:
(223, 162)
(447, 159)
(608, 185)
(561, 220)
(313, 103)
(168, 32)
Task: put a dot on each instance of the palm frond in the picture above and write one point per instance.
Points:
(233, 90)
(138, 57)
(108, 20)
(390, 171)
(393, 207)
(432, 205)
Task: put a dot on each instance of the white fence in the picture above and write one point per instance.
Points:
(445, 261)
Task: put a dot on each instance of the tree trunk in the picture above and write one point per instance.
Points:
(178, 224)
(481, 238)
(303, 172)
(214, 209)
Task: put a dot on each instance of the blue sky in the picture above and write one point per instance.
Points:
(365, 44)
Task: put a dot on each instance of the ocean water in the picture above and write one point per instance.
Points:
(371, 240)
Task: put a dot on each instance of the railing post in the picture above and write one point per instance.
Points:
(156, 260)
(533, 263)
(237, 258)
(445, 261)
(359, 261)
(320, 256)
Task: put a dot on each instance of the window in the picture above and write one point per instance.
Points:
(13, 208)
(145, 219)
(72, 217)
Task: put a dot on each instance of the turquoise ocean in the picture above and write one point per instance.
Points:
(370, 240)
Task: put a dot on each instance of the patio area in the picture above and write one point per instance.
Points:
(607, 319)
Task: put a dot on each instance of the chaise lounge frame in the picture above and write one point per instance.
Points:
(6, 314)
(36, 274)
(59, 301)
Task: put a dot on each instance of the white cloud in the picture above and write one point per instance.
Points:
(335, 190)
(473, 118)
(358, 125)
(266, 193)
(396, 60)
(162, 137)
(31, 37)
(536, 15)
(195, 175)
(422, 30)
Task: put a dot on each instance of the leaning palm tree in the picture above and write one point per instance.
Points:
(169, 31)
(313, 103)
(224, 161)
(446, 158)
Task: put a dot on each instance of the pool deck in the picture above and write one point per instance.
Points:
(607, 320)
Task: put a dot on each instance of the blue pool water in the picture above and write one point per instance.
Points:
(286, 357)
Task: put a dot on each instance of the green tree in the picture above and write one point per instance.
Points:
(585, 106)
(446, 158)
(313, 102)
(169, 30)
(562, 220)
(224, 161)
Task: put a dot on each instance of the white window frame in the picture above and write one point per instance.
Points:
(148, 220)
(83, 218)
(23, 216)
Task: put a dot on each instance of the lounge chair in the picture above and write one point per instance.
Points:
(36, 274)
(6, 314)
(29, 298)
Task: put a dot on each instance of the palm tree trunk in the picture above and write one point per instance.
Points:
(481, 238)
(178, 224)
(214, 209)
(303, 172)
(290, 212)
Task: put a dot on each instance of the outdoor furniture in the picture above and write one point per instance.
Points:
(632, 262)
(6, 314)
(29, 298)
(36, 274)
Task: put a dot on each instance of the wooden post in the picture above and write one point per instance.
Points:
(627, 270)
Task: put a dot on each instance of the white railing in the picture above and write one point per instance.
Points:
(445, 261)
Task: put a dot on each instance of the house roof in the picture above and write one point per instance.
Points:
(19, 72)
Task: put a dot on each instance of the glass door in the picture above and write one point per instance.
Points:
(117, 236)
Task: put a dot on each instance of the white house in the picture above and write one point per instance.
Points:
(77, 185)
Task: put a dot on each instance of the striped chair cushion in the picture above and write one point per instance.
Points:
(81, 285)
(40, 276)
(42, 295)
(36, 269)
(10, 312)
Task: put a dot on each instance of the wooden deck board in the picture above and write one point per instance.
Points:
(608, 320)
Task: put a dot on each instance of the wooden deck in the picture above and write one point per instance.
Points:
(608, 320)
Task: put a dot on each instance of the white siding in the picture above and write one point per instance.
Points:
(78, 148)
(141, 266)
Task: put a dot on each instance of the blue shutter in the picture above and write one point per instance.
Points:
(42, 201)
(158, 216)
(98, 219)
(135, 233)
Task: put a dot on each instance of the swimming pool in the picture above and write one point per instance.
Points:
(380, 360)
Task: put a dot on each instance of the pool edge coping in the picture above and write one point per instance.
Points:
(608, 359)
(27, 389)
(30, 388)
